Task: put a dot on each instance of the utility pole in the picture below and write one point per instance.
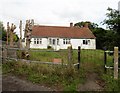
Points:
(20, 27)
(13, 27)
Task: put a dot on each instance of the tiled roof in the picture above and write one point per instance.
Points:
(63, 32)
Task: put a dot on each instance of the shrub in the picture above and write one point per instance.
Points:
(49, 47)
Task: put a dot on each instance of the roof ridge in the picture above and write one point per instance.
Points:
(59, 26)
(51, 26)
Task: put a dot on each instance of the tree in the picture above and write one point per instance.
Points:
(3, 35)
(90, 24)
(100, 35)
(113, 20)
(113, 23)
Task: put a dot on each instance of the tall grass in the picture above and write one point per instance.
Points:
(67, 77)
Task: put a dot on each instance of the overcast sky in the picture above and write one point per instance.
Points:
(55, 12)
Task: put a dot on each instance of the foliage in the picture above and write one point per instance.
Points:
(113, 23)
(49, 47)
(3, 35)
(113, 20)
(66, 77)
(111, 84)
(101, 38)
(15, 38)
(90, 24)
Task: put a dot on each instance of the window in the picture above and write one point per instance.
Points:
(37, 40)
(53, 41)
(57, 41)
(86, 42)
(66, 41)
(50, 41)
(40, 40)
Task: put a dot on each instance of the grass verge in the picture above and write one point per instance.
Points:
(50, 75)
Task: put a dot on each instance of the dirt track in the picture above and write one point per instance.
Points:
(12, 83)
(92, 83)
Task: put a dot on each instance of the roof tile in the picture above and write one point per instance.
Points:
(63, 32)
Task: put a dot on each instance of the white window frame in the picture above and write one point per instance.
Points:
(50, 41)
(57, 41)
(86, 42)
(40, 40)
(66, 41)
(53, 41)
(37, 41)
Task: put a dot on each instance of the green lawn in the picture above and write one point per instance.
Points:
(86, 56)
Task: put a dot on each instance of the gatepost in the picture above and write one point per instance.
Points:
(116, 63)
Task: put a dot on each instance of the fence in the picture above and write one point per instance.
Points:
(114, 63)
(79, 58)
(67, 56)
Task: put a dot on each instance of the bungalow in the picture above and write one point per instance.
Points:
(59, 37)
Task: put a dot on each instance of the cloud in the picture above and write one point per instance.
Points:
(54, 12)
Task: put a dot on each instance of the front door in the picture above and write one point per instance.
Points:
(54, 43)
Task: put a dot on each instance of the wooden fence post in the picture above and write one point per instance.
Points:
(105, 60)
(79, 56)
(4, 53)
(20, 40)
(8, 30)
(116, 63)
(69, 55)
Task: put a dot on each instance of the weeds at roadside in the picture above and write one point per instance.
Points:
(68, 78)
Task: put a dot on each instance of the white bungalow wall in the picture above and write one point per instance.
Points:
(79, 42)
(41, 46)
(74, 42)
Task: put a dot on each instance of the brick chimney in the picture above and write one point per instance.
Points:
(71, 24)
